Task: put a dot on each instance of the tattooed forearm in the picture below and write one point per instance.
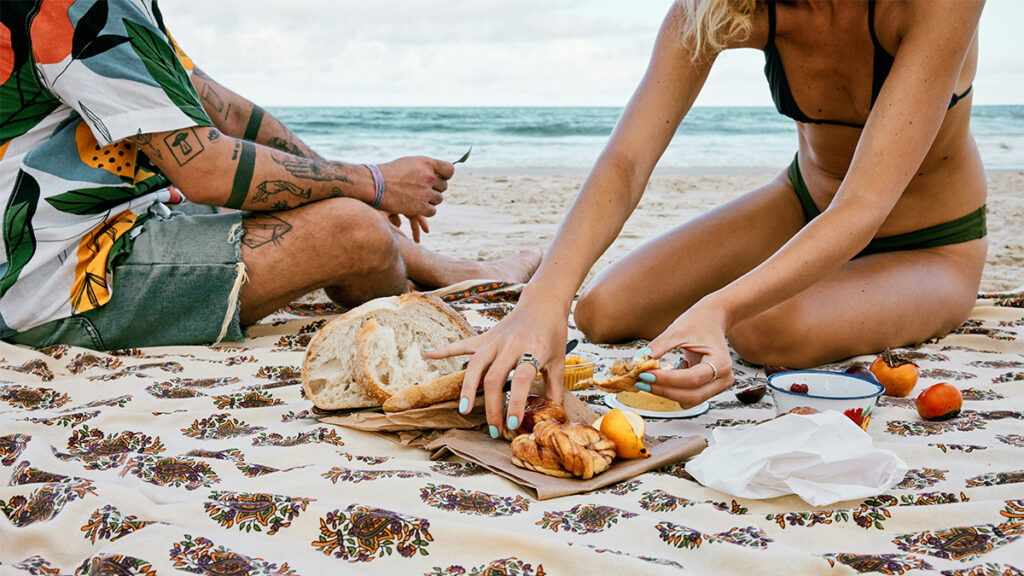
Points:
(308, 169)
(285, 146)
(252, 129)
(273, 187)
(264, 229)
(243, 176)
(184, 145)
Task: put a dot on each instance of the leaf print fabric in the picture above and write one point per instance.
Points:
(209, 460)
(77, 77)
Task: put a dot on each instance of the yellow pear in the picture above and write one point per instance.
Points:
(626, 429)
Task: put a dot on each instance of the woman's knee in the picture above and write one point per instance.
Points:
(594, 316)
(769, 339)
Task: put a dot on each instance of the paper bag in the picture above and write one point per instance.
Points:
(415, 427)
(496, 456)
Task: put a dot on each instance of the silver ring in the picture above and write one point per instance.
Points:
(714, 371)
(528, 358)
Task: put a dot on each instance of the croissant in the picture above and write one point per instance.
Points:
(625, 373)
(578, 450)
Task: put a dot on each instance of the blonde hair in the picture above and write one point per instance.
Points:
(711, 25)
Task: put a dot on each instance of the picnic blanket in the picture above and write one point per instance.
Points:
(208, 460)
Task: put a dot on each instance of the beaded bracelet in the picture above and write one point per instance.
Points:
(378, 185)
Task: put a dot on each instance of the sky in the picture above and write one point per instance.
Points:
(486, 52)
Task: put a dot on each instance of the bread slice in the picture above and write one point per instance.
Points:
(362, 357)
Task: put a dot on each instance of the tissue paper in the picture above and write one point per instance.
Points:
(822, 458)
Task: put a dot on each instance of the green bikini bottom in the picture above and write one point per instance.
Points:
(969, 227)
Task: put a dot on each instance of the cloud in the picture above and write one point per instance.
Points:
(480, 52)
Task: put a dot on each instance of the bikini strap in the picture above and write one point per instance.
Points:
(771, 25)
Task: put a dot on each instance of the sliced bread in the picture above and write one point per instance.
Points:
(362, 357)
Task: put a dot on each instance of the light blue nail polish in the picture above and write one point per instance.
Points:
(494, 431)
(513, 422)
(643, 352)
(464, 405)
(642, 386)
(428, 349)
(647, 377)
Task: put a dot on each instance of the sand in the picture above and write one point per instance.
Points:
(487, 215)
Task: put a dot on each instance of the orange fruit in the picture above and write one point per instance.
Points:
(940, 401)
(626, 430)
(897, 375)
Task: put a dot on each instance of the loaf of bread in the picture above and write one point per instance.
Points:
(366, 355)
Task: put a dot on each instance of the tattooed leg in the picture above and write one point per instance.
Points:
(341, 244)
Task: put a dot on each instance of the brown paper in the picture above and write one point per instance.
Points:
(443, 430)
(496, 456)
(415, 427)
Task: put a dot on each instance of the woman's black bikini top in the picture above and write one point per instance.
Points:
(783, 96)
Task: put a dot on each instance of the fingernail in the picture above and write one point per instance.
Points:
(642, 386)
(513, 422)
(643, 351)
(494, 431)
(646, 377)
(428, 349)
(464, 405)
(680, 364)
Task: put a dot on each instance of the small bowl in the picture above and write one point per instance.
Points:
(852, 395)
(579, 371)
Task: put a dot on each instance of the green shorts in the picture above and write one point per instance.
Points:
(969, 227)
(179, 285)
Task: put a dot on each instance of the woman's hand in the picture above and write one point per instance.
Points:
(413, 185)
(538, 329)
(707, 369)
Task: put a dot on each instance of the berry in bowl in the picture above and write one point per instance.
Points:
(823, 390)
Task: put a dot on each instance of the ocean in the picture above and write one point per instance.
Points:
(570, 138)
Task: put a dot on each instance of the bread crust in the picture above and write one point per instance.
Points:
(323, 347)
(440, 390)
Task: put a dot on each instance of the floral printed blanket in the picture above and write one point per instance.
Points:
(207, 460)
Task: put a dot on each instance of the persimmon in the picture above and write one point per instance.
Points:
(940, 401)
(898, 375)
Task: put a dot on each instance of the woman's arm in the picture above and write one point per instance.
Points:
(899, 132)
(235, 116)
(607, 198)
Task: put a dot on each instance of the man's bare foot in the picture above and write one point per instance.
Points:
(515, 269)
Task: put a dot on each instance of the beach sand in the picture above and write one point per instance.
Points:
(488, 215)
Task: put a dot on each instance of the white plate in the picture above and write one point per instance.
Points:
(613, 402)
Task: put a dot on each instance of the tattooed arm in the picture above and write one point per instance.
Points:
(212, 168)
(235, 116)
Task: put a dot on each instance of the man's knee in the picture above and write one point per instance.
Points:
(361, 233)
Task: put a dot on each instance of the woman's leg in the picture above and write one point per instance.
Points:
(871, 303)
(641, 294)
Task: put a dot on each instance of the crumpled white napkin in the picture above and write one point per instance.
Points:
(822, 458)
